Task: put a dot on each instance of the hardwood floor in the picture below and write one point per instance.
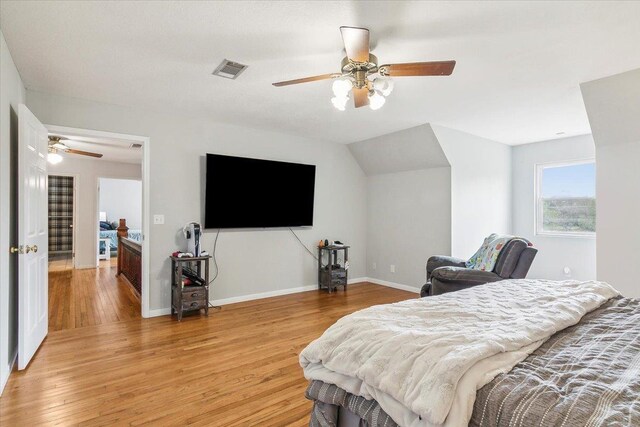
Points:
(237, 367)
(79, 298)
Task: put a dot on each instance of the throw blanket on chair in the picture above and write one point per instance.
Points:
(423, 359)
(486, 257)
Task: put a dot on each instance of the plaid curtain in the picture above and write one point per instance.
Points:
(60, 213)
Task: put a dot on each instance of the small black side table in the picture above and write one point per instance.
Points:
(332, 275)
(190, 297)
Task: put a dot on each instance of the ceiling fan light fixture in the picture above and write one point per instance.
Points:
(54, 158)
(342, 86)
(376, 100)
(340, 102)
(383, 84)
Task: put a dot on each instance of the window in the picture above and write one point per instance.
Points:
(566, 199)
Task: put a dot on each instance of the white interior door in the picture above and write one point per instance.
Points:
(33, 281)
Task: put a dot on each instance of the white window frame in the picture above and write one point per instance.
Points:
(538, 217)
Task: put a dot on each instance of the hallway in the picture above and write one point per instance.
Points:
(87, 297)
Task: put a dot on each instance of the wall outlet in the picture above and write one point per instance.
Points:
(374, 266)
(566, 271)
(392, 268)
(158, 219)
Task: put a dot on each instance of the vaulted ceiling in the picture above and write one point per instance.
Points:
(517, 77)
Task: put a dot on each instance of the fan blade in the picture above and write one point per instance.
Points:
(435, 68)
(360, 97)
(356, 43)
(307, 79)
(82, 153)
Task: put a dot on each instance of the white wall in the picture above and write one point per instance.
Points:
(554, 252)
(613, 107)
(87, 172)
(251, 261)
(409, 220)
(122, 198)
(12, 93)
(480, 188)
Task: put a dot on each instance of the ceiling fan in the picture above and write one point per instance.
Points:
(361, 74)
(56, 145)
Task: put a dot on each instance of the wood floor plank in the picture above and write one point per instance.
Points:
(237, 367)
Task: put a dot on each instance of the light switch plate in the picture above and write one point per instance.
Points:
(392, 268)
(158, 219)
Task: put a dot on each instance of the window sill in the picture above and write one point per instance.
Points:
(566, 235)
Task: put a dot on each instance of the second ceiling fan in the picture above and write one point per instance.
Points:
(56, 145)
(361, 75)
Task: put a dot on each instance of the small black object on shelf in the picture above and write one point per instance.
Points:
(333, 274)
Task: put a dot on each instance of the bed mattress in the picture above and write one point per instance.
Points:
(584, 375)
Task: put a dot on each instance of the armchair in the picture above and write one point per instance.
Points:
(449, 274)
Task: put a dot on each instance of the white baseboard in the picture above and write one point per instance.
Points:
(251, 297)
(3, 381)
(159, 312)
(393, 285)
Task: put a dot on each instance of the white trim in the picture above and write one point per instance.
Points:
(3, 381)
(262, 295)
(393, 285)
(146, 191)
(86, 267)
(537, 206)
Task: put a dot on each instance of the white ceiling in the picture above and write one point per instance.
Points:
(112, 149)
(517, 77)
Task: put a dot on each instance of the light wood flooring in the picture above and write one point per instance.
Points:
(237, 367)
(87, 297)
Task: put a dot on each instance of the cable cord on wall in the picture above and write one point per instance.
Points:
(303, 245)
(215, 264)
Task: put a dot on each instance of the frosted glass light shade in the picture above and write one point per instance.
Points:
(340, 102)
(383, 84)
(341, 87)
(376, 100)
(54, 158)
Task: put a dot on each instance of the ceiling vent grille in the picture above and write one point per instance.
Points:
(229, 69)
(135, 145)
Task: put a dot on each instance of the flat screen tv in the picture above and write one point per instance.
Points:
(253, 193)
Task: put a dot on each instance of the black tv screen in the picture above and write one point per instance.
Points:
(253, 193)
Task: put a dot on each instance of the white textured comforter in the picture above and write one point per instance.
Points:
(423, 359)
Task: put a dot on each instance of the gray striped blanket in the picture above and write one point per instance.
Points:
(585, 375)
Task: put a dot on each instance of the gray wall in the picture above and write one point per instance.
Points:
(12, 93)
(554, 252)
(122, 198)
(409, 219)
(251, 261)
(480, 188)
(87, 172)
(613, 107)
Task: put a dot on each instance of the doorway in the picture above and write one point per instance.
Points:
(61, 220)
(121, 153)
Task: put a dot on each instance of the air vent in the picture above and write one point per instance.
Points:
(135, 146)
(229, 69)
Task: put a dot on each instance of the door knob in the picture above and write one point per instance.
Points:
(34, 248)
(16, 250)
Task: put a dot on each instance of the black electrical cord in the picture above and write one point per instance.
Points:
(215, 263)
(303, 245)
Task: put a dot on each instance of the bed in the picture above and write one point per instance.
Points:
(509, 353)
(113, 236)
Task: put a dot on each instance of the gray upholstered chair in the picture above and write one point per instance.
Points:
(448, 274)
